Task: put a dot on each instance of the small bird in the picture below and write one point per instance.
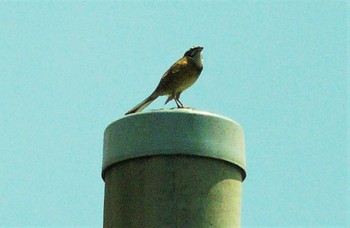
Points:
(179, 77)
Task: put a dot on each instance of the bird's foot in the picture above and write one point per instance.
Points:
(185, 107)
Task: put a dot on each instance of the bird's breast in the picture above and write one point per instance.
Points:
(186, 77)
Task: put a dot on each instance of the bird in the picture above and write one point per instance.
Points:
(180, 76)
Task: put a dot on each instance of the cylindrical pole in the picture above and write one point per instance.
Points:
(177, 168)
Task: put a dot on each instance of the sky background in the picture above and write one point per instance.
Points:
(70, 68)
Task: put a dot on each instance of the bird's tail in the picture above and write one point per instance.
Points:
(143, 104)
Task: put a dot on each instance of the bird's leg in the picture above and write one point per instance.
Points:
(178, 103)
(177, 99)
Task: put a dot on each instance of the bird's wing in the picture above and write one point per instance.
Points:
(170, 77)
(176, 67)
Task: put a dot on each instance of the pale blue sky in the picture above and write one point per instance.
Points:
(279, 68)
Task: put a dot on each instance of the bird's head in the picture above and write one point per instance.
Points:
(195, 53)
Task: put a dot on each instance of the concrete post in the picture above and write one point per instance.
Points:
(173, 168)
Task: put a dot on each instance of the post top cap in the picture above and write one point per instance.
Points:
(174, 132)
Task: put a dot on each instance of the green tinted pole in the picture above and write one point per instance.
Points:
(173, 168)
